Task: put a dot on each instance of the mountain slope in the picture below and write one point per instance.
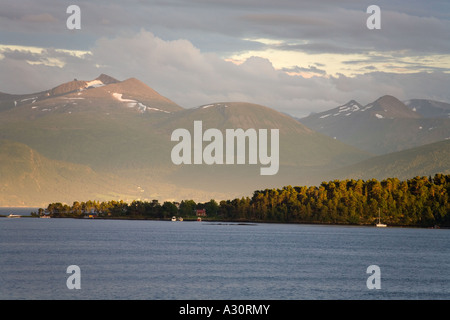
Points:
(103, 124)
(420, 161)
(28, 178)
(383, 126)
(302, 152)
(429, 108)
(299, 144)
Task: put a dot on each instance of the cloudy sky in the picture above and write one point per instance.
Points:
(294, 56)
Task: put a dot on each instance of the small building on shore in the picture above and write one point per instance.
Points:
(201, 212)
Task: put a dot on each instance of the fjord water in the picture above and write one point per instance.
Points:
(124, 259)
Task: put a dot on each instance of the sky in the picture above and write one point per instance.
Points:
(294, 56)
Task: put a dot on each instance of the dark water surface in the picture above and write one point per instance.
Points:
(202, 260)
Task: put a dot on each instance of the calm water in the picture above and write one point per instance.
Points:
(201, 260)
(24, 211)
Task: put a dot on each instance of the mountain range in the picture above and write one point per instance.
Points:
(106, 139)
(385, 125)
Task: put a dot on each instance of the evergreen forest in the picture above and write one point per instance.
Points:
(420, 201)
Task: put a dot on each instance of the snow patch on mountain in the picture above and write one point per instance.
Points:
(367, 107)
(346, 110)
(353, 107)
(94, 84)
(206, 106)
(130, 102)
(156, 109)
(33, 98)
(134, 103)
(118, 96)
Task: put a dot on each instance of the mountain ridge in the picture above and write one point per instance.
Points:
(382, 126)
(127, 92)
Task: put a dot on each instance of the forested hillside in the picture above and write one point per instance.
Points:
(420, 201)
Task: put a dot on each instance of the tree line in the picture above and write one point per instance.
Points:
(420, 201)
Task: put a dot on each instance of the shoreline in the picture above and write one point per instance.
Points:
(241, 222)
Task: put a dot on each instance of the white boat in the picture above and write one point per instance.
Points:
(14, 216)
(174, 218)
(379, 224)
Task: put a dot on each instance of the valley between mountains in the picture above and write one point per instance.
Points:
(105, 139)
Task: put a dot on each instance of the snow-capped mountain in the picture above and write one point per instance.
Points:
(383, 126)
(103, 93)
(429, 108)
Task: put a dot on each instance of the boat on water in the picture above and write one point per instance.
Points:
(14, 216)
(174, 218)
(379, 224)
(180, 219)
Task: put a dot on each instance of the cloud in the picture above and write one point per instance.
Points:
(327, 25)
(308, 72)
(39, 18)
